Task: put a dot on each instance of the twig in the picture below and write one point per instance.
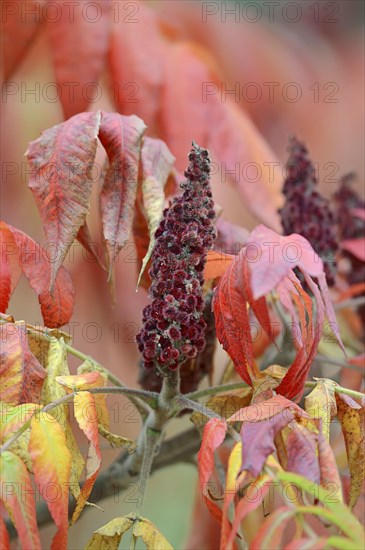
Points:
(351, 302)
(216, 389)
(337, 362)
(148, 396)
(186, 403)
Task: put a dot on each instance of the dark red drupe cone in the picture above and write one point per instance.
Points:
(173, 330)
(306, 211)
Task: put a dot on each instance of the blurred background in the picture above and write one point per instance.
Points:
(238, 78)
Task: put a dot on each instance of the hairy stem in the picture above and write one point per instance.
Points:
(186, 403)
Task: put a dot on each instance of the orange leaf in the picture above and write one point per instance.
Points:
(61, 161)
(21, 373)
(87, 419)
(353, 290)
(17, 495)
(216, 264)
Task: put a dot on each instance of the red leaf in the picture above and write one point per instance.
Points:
(356, 247)
(232, 321)
(271, 258)
(61, 161)
(271, 533)
(84, 238)
(254, 496)
(293, 382)
(10, 269)
(79, 41)
(238, 145)
(20, 24)
(329, 475)
(57, 307)
(265, 410)
(258, 440)
(213, 436)
(21, 373)
(121, 136)
(17, 495)
(4, 535)
(301, 448)
(263, 265)
(136, 62)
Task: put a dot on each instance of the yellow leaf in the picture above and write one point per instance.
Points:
(52, 464)
(86, 381)
(224, 405)
(321, 404)
(151, 536)
(13, 417)
(38, 339)
(80, 381)
(108, 537)
(20, 448)
(234, 467)
(117, 440)
(56, 366)
(351, 416)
